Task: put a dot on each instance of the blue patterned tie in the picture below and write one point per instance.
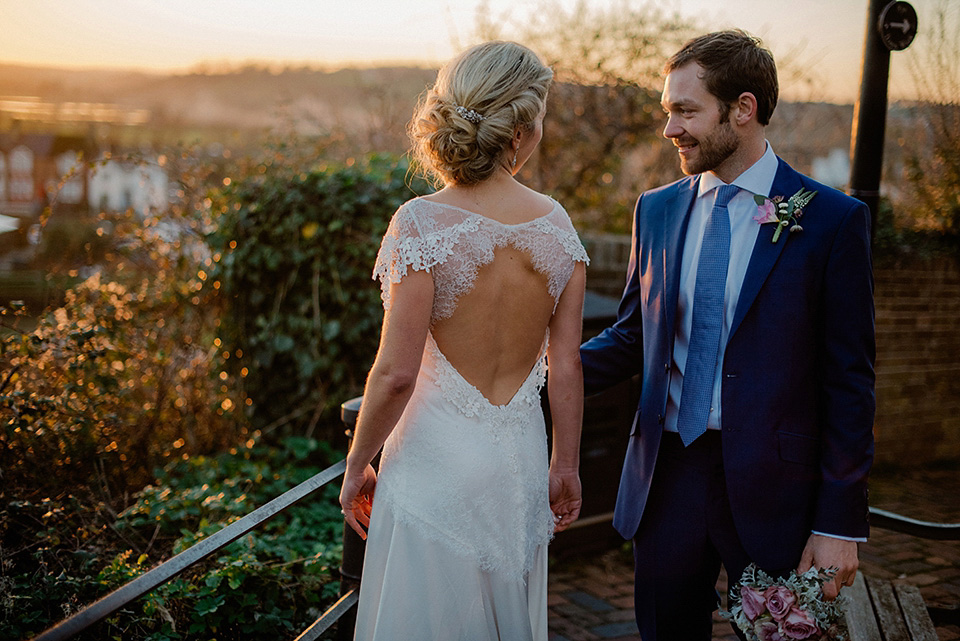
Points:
(698, 376)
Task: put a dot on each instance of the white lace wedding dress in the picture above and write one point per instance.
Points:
(457, 545)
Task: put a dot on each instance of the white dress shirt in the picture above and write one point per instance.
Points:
(758, 179)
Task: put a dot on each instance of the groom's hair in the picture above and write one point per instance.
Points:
(733, 62)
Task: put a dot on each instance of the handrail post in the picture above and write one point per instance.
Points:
(351, 566)
(870, 110)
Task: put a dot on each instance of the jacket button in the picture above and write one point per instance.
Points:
(661, 419)
(666, 367)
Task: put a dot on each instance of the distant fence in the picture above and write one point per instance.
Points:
(918, 349)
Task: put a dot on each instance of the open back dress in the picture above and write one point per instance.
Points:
(457, 544)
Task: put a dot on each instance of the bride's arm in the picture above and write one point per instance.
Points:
(565, 387)
(389, 387)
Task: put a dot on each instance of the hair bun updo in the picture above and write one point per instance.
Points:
(464, 123)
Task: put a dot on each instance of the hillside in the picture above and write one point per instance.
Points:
(241, 98)
(373, 105)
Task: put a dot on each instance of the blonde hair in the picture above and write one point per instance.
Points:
(504, 84)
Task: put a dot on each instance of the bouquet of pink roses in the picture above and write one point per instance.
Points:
(768, 609)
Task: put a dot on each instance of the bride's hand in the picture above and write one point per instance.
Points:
(356, 498)
(565, 498)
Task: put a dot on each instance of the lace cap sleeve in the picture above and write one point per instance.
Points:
(569, 239)
(401, 249)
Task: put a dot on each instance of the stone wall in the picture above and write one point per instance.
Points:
(918, 350)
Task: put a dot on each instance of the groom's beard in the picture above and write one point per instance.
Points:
(712, 150)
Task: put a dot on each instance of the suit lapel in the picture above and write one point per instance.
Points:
(765, 251)
(675, 222)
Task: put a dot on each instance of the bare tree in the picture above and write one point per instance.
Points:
(602, 142)
(933, 157)
(600, 146)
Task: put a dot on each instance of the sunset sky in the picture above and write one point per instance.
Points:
(180, 34)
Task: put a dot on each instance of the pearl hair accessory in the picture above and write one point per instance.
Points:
(468, 114)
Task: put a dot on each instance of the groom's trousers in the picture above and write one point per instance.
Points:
(685, 534)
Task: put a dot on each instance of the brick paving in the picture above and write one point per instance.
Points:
(591, 598)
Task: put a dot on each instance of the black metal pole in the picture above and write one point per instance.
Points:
(870, 116)
(351, 567)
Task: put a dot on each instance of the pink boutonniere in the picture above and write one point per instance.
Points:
(783, 213)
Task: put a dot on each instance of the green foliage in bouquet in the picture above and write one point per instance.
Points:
(765, 608)
(293, 258)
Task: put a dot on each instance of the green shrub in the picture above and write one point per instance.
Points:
(120, 379)
(271, 583)
(294, 254)
(72, 241)
(256, 297)
(893, 242)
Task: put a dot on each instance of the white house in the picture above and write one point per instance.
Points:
(120, 185)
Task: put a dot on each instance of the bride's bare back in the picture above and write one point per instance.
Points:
(498, 274)
(495, 336)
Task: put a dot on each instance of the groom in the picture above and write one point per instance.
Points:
(754, 342)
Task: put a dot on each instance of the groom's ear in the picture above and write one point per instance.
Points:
(745, 108)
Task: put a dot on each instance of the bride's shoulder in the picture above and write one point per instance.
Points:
(431, 207)
(411, 214)
(558, 214)
(410, 209)
(428, 220)
(559, 225)
(532, 200)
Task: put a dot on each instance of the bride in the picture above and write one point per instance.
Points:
(483, 285)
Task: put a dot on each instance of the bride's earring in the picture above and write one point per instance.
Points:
(517, 134)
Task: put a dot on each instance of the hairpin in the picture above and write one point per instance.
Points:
(468, 114)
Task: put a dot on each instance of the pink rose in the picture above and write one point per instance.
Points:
(779, 601)
(752, 602)
(767, 212)
(768, 630)
(800, 624)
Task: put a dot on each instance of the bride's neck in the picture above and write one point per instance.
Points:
(494, 185)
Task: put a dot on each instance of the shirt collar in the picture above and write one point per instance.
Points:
(758, 179)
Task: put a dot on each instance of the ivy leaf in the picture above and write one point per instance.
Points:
(209, 605)
(283, 343)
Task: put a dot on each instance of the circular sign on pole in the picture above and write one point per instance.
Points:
(897, 25)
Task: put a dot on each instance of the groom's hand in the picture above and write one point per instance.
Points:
(828, 552)
(565, 497)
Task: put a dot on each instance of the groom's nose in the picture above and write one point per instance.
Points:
(672, 129)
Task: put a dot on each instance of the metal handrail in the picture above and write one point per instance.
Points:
(906, 525)
(331, 616)
(353, 550)
(159, 575)
(878, 519)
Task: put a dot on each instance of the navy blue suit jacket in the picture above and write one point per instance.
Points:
(798, 379)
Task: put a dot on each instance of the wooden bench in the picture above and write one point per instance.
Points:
(878, 610)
